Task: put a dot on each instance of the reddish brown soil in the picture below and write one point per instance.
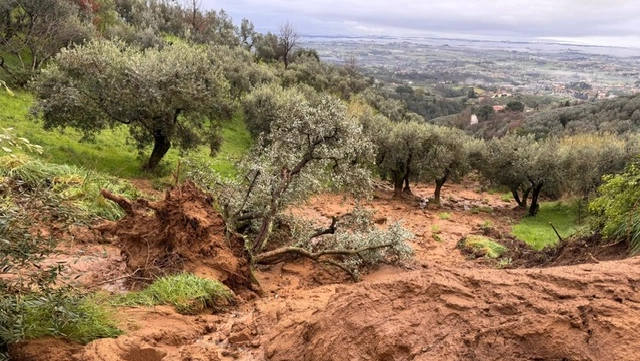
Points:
(443, 306)
(180, 232)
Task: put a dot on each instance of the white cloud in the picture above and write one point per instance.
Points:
(498, 18)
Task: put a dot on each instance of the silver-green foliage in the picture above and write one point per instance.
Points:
(356, 231)
(311, 145)
(168, 96)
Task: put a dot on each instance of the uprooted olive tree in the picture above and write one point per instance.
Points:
(311, 145)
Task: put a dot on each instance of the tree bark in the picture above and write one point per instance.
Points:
(439, 183)
(533, 209)
(522, 202)
(397, 186)
(161, 145)
(407, 188)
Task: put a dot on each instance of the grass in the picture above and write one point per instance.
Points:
(444, 215)
(188, 293)
(72, 186)
(112, 152)
(68, 316)
(485, 246)
(537, 232)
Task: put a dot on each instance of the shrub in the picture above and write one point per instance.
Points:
(615, 211)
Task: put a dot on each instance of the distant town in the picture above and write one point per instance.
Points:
(494, 69)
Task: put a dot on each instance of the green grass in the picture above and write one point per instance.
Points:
(484, 246)
(537, 232)
(65, 315)
(112, 152)
(188, 293)
(67, 185)
(444, 215)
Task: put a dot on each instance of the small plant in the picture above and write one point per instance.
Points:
(435, 228)
(188, 293)
(506, 198)
(444, 215)
(486, 225)
(436, 237)
(504, 262)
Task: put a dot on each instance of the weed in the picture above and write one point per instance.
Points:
(506, 198)
(59, 187)
(188, 293)
(444, 215)
(504, 262)
(436, 237)
(435, 228)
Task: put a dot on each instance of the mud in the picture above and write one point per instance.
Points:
(182, 232)
(442, 306)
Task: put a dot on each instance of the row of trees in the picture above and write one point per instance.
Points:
(32, 32)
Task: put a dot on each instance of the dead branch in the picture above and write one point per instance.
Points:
(557, 234)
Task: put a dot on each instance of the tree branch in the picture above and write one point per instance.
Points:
(279, 254)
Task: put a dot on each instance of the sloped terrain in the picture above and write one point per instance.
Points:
(442, 306)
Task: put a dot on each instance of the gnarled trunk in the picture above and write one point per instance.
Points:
(407, 188)
(522, 202)
(439, 183)
(161, 145)
(533, 209)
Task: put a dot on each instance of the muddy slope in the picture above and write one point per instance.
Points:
(588, 312)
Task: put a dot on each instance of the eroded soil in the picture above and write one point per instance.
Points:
(442, 306)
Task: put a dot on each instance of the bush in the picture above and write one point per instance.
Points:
(615, 211)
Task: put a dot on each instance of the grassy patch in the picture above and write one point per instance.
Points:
(63, 186)
(483, 246)
(537, 232)
(112, 152)
(64, 315)
(444, 215)
(188, 293)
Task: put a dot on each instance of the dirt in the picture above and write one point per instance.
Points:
(442, 306)
(181, 232)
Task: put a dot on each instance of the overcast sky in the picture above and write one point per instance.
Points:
(603, 22)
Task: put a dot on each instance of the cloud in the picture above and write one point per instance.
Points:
(496, 18)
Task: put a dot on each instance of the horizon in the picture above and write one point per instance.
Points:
(590, 23)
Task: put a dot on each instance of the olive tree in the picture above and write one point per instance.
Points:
(312, 144)
(586, 158)
(175, 95)
(405, 151)
(33, 31)
(522, 164)
(451, 157)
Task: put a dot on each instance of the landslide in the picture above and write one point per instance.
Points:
(581, 313)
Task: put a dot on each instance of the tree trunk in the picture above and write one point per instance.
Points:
(522, 202)
(533, 209)
(397, 186)
(407, 188)
(161, 145)
(436, 194)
